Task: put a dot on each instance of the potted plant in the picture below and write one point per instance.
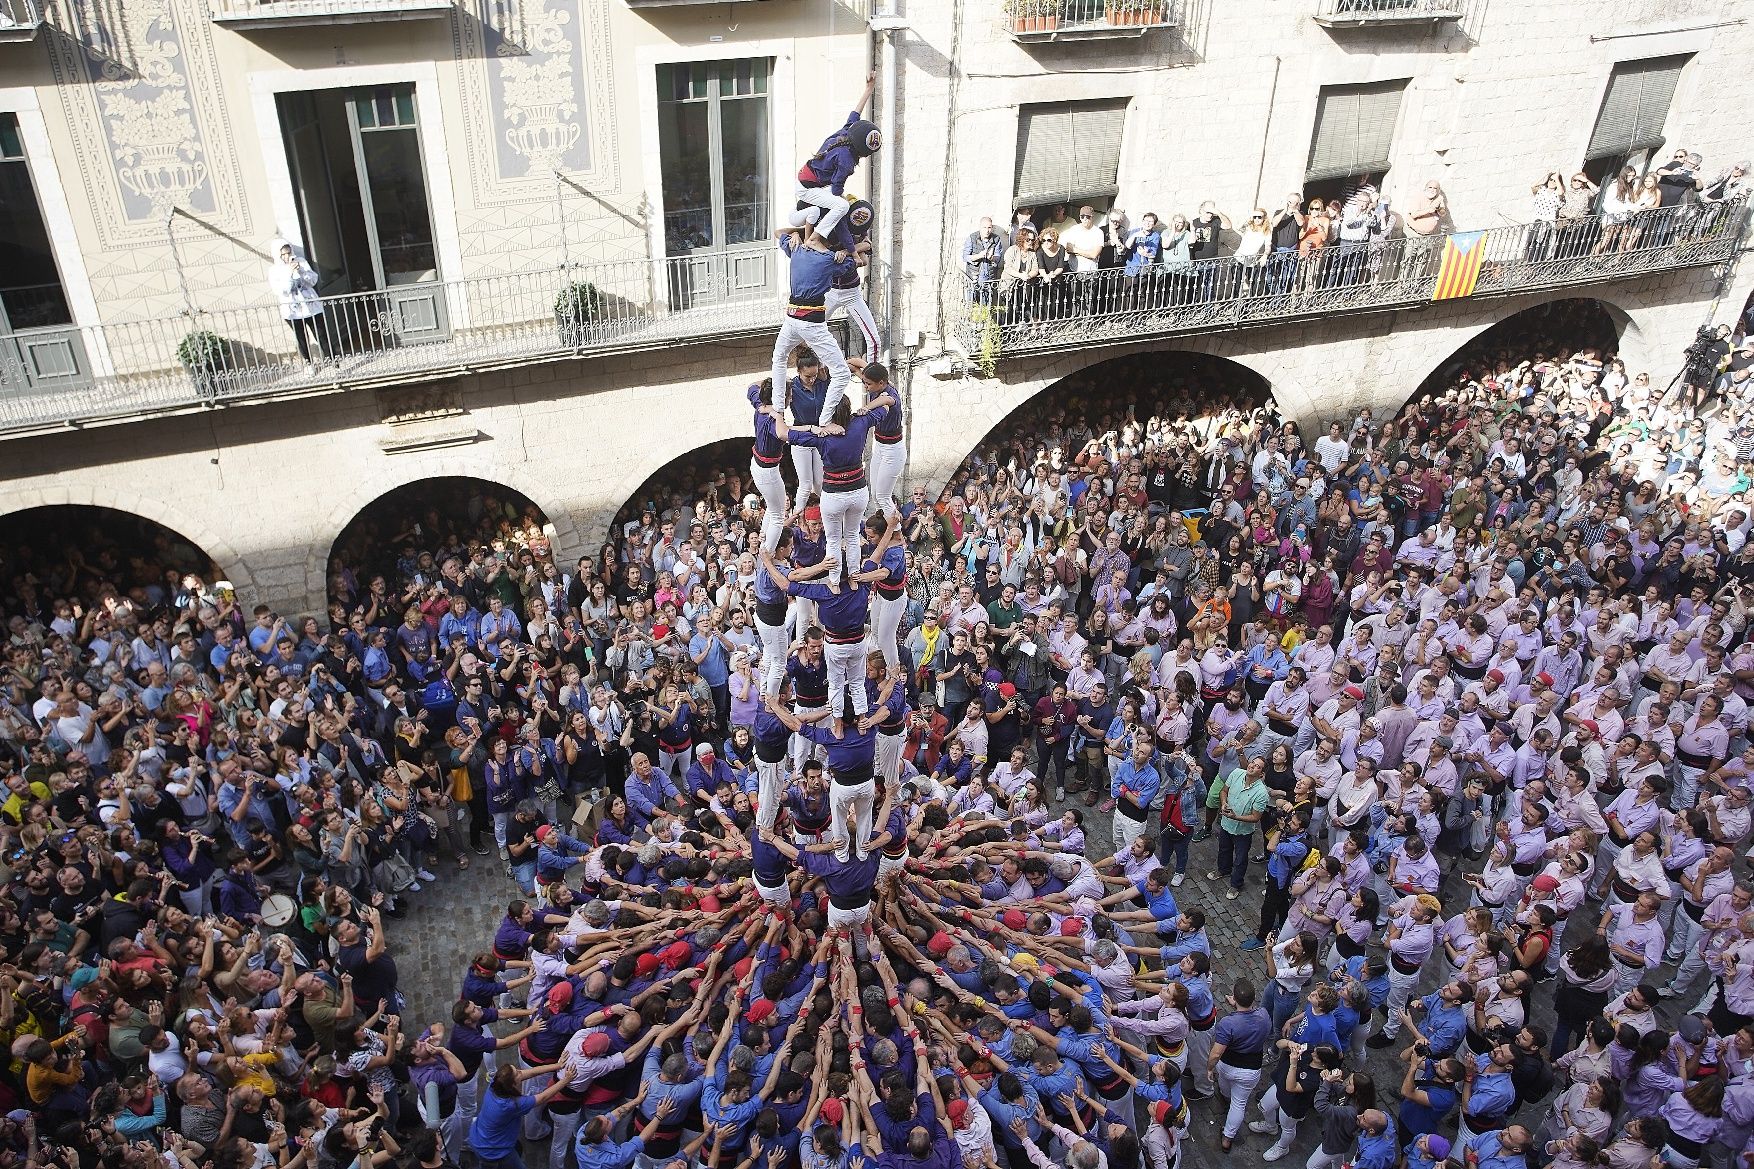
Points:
(577, 308)
(205, 355)
(1033, 15)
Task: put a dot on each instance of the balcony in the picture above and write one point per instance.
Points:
(1107, 307)
(1034, 21)
(679, 3)
(56, 377)
(1351, 14)
(19, 21)
(266, 14)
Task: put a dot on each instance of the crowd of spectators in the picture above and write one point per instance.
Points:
(1051, 262)
(1460, 694)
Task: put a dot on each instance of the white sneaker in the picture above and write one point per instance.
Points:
(1176, 881)
(414, 886)
(1263, 1126)
(426, 876)
(1274, 1153)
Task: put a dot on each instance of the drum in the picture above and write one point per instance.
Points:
(278, 909)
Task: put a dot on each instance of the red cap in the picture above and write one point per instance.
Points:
(544, 831)
(742, 966)
(1495, 674)
(1072, 927)
(595, 1044)
(559, 995)
(1013, 919)
(832, 1111)
(1546, 883)
(760, 1011)
(958, 1111)
(1006, 690)
(813, 513)
(1590, 725)
(708, 904)
(1544, 678)
(675, 955)
(1160, 1112)
(645, 965)
(939, 945)
(1353, 691)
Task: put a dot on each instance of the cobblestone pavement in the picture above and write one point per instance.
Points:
(454, 918)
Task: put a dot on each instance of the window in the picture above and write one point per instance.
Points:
(1354, 131)
(31, 294)
(713, 147)
(1068, 152)
(360, 186)
(1634, 108)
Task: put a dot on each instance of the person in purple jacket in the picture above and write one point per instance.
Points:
(845, 490)
(822, 180)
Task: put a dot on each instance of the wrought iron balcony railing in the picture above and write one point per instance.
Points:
(1379, 13)
(248, 14)
(1049, 20)
(998, 317)
(51, 377)
(19, 20)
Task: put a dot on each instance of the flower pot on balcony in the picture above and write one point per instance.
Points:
(207, 357)
(578, 309)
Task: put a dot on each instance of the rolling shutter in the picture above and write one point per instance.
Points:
(1068, 152)
(1354, 130)
(1635, 107)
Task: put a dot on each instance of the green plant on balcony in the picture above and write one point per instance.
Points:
(1033, 15)
(1136, 12)
(205, 354)
(577, 309)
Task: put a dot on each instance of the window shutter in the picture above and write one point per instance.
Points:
(1354, 130)
(1068, 152)
(1635, 107)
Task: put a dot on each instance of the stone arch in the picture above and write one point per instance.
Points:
(185, 525)
(365, 491)
(939, 445)
(1595, 320)
(685, 473)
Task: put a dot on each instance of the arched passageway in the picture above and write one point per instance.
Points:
(716, 475)
(1552, 331)
(392, 553)
(73, 550)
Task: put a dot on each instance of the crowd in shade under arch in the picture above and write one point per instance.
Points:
(1457, 698)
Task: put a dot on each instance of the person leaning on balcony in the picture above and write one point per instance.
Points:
(1311, 240)
(1619, 204)
(982, 254)
(1733, 183)
(294, 281)
(1084, 241)
(1021, 277)
(1576, 214)
(1252, 251)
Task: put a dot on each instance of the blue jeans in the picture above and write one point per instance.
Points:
(1233, 855)
(1173, 846)
(510, 1161)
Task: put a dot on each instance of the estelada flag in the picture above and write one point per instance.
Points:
(1460, 268)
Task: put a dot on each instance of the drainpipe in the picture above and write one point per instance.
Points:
(888, 25)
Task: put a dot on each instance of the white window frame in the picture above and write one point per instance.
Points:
(45, 174)
(266, 86)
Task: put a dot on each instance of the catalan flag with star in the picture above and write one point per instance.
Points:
(1459, 270)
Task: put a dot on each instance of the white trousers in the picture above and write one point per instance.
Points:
(846, 673)
(1279, 1118)
(779, 896)
(889, 757)
(886, 464)
(1401, 987)
(847, 918)
(886, 617)
(815, 334)
(774, 644)
(772, 488)
(822, 207)
(849, 811)
(858, 312)
(769, 791)
(808, 463)
(1126, 830)
(843, 514)
(803, 748)
(1236, 1085)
